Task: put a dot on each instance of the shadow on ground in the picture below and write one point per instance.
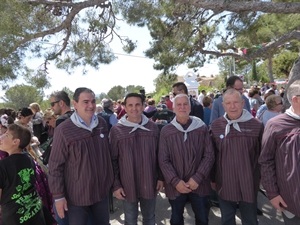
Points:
(163, 211)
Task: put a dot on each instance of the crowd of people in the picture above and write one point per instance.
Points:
(62, 166)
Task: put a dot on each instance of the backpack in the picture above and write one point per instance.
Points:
(106, 116)
(46, 148)
(47, 145)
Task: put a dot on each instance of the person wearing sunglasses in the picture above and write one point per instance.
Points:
(61, 105)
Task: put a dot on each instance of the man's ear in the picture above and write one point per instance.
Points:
(295, 99)
(74, 104)
(16, 141)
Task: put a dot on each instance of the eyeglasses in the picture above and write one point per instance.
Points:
(53, 103)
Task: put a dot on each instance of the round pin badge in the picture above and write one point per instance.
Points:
(102, 135)
(221, 136)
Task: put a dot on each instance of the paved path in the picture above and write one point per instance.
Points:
(163, 210)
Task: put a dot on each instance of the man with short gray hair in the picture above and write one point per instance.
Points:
(237, 141)
(233, 82)
(280, 156)
(186, 157)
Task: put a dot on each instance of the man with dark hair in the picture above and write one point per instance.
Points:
(134, 146)
(217, 110)
(196, 107)
(80, 170)
(60, 104)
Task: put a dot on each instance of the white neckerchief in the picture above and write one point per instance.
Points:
(244, 117)
(76, 119)
(291, 113)
(196, 123)
(135, 126)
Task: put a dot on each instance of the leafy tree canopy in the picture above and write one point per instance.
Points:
(101, 96)
(21, 96)
(116, 92)
(186, 31)
(165, 82)
(119, 92)
(70, 33)
(76, 33)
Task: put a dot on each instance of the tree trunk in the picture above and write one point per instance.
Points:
(270, 69)
(294, 75)
(254, 72)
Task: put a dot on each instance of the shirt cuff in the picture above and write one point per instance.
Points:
(59, 199)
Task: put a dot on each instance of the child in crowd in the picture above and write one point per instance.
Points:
(20, 203)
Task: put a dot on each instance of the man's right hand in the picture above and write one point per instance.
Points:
(278, 203)
(183, 187)
(61, 206)
(213, 186)
(119, 194)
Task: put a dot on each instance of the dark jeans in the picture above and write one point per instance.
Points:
(80, 215)
(293, 221)
(65, 221)
(199, 205)
(131, 210)
(228, 210)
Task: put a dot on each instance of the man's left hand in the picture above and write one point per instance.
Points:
(193, 184)
(159, 185)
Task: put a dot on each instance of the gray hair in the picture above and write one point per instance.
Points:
(106, 103)
(232, 91)
(271, 101)
(293, 90)
(180, 96)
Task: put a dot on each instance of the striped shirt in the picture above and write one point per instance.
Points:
(236, 170)
(80, 165)
(181, 160)
(134, 157)
(280, 157)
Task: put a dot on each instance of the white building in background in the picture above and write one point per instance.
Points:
(190, 80)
